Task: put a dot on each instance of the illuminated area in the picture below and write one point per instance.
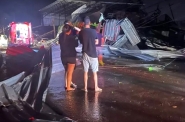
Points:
(20, 33)
(3, 41)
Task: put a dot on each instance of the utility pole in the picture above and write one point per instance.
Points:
(65, 11)
(3, 30)
(170, 9)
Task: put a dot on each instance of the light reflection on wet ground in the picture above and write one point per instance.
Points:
(129, 94)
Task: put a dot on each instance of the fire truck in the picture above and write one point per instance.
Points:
(21, 33)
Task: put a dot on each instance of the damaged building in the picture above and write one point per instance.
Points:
(143, 34)
(137, 25)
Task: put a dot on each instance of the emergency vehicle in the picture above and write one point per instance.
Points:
(21, 33)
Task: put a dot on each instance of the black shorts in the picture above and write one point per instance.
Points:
(68, 60)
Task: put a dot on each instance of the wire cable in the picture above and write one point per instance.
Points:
(162, 23)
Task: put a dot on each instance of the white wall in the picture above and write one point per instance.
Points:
(49, 19)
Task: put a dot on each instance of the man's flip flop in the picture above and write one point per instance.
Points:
(98, 90)
(72, 85)
(85, 90)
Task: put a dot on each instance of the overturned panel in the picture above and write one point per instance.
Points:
(80, 10)
(21, 97)
(23, 87)
(130, 32)
(3, 99)
(163, 54)
(132, 53)
(10, 93)
(13, 80)
(120, 41)
(129, 46)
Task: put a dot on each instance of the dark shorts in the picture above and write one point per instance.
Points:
(68, 60)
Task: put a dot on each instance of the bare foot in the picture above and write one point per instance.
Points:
(70, 89)
(85, 90)
(98, 90)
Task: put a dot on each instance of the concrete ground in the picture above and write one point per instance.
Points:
(129, 94)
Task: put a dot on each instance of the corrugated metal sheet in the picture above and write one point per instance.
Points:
(149, 55)
(121, 41)
(62, 7)
(133, 53)
(82, 9)
(130, 32)
(14, 79)
(111, 29)
(129, 46)
(75, 14)
(50, 6)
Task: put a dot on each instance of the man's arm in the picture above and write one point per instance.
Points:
(59, 38)
(77, 29)
(96, 38)
(76, 41)
(80, 37)
(96, 41)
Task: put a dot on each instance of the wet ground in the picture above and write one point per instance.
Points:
(129, 94)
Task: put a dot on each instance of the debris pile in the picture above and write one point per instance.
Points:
(126, 44)
(122, 39)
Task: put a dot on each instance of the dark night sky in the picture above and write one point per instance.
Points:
(22, 10)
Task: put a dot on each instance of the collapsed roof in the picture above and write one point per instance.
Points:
(174, 9)
(67, 7)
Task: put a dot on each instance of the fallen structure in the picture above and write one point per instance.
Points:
(22, 95)
(126, 43)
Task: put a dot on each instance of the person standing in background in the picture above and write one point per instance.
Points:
(88, 38)
(68, 42)
(99, 47)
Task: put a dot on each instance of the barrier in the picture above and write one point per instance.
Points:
(21, 97)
